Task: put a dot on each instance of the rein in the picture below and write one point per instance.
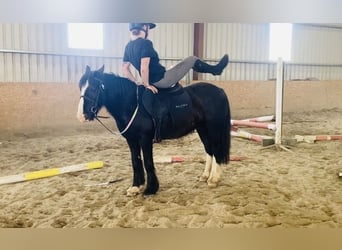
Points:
(97, 117)
(134, 114)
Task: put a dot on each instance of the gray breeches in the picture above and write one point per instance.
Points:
(176, 73)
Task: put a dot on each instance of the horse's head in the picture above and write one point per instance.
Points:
(91, 86)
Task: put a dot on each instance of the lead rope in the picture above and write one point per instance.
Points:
(129, 123)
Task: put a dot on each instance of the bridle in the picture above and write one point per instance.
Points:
(100, 89)
(94, 108)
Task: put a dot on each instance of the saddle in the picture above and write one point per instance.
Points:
(173, 102)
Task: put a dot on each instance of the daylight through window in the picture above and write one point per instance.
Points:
(280, 41)
(85, 35)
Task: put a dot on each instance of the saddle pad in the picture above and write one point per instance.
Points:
(176, 103)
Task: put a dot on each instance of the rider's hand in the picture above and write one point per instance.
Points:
(152, 88)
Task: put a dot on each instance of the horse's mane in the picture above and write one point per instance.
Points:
(123, 84)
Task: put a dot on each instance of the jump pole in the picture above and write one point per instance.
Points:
(253, 124)
(314, 138)
(179, 159)
(49, 172)
(267, 118)
(263, 139)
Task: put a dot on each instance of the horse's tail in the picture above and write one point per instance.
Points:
(215, 129)
(222, 153)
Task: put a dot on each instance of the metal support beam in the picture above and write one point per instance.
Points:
(198, 44)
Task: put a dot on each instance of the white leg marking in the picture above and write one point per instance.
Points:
(133, 191)
(215, 174)
(80, 111)
(207, 169)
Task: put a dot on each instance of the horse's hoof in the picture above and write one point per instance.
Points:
(204, 178)
(151, 190)
(148, 194)
(212, 184)
(133, 191)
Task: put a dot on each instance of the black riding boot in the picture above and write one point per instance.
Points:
(203, 67)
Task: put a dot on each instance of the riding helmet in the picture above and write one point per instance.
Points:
(139, 26)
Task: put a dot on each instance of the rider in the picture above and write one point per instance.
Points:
(140, 53)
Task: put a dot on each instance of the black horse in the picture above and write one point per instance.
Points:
(207, 112)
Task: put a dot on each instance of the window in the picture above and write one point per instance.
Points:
(280, 41)
(85, 35)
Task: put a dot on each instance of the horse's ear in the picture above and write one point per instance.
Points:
(88, 69)
(101, 70)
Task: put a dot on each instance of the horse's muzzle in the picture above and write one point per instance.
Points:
(85, 118)
(81, 118)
